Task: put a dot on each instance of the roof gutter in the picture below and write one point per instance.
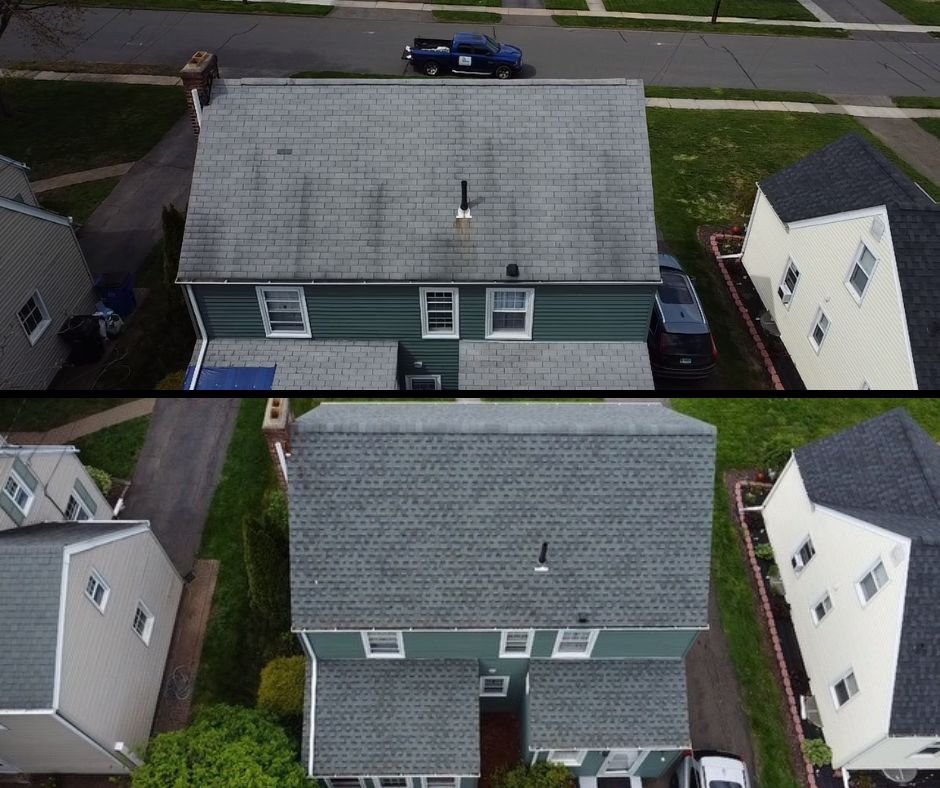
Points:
(203, 338)
(464, 282)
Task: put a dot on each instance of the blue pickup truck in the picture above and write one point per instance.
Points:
(468, 53)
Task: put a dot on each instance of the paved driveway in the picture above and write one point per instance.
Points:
(178, 469)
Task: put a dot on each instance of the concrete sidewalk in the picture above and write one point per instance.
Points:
(70, 76)
(85, 176)
(67, 433)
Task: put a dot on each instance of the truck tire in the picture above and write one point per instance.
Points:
(432, 68)
(503, 72)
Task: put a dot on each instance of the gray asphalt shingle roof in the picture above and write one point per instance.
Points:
(851, 174)
(886, 471)
(433, 516)
(359, 180)
(607, 704)
(397, 717)
(30, 584)
(487, 364)
(324, 364)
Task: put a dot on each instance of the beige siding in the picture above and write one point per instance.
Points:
(110, 679)
(14, 183)
(36, 254)
(43, 743)
(57, 474)
(864, 638)
(865, 342)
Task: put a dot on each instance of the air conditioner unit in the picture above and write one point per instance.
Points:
(809, 710)
(785, 295)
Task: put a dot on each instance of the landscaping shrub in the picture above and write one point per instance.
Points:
(817, 752)
(538, 775)
(775, 449)
(173, 381)
(101, 478)
(174, 222)
(225, 746)
(282, 686)
(276, 511)
(267, 564)
(764, 551)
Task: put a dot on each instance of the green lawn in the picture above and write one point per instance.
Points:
(743, 424)
(920, 12)
(115, 449)
(78, 201)
(745, 94)
(38, 414)
(567, 5)
(236, 644)
(352, 75)
(698, 27)
(751, 9)
(474, 17)
(490, 3)
(107, 124)
(705, 167)
(925, 102)
(217, 6)
(93, 67)
(930, 124)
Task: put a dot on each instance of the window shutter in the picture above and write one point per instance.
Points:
(25, 474)
(86, 497)
(10, 508)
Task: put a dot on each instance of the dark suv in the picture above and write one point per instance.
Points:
(680, 342)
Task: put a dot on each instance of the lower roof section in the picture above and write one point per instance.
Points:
(608, 704)
(489, 364)
(353, 365)
(396, 717)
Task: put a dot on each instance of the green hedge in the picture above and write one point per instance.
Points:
(282, 686)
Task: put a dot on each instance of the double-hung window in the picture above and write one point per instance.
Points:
(440, 782)
(873, 581)
(509, 313)
(97, 590)
(143, 622)
(75, 509)
(422, 382)
(861, 272)
(394, 782)
(284, 311)
(567, 757)
(788, 285)
(494, 686)
(387, 645)
(34, 318)
(16, 490)
(803, 555)
(440, 313)
(515, 643)
(820, 330)
(821, 608)
(574, 643)
(844, 689)
(344, 782)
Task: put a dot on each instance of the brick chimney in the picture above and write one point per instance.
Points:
(198, 74)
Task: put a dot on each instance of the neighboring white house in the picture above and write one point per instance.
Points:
(854, 522)
(89, 609)
(46, 484)
(842, 249)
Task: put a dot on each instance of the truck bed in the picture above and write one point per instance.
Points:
(436, 44)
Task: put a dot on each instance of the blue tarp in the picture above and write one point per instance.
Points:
(232, 378)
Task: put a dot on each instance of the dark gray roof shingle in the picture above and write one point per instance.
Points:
(486, 364)
(30, 584)
(433, 516)
(886, 471)
(607, 704)
(359, 180)
(397, 717)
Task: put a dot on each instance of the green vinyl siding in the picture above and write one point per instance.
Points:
(515, 670)
(544, 642)
(459, 645)
(437, 356)
(230, 311)
(336, 645)
(591, 765)
(643, 643)
(591, 313)
(364, 311)
(657, 763)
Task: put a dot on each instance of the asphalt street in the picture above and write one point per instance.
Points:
(262, 45)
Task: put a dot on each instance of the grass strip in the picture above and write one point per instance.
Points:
(480, 17)
(750, 9)
(739, 94)
(78, 201)
(667, 25)
(115, 449)
(567, 5)
(216, 6)
(90, 67)
(917, 102)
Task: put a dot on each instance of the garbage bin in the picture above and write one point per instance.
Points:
(116, 289)
(82, 333)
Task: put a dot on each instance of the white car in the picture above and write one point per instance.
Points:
(711, 770)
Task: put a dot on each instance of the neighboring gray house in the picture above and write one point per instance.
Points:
(45, 281)
(91, 608)
(453, 560)
(45, 484)
(323, 249)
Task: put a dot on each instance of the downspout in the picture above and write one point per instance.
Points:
(202, 337)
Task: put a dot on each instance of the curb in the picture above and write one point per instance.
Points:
(792, 702)
(736, 297)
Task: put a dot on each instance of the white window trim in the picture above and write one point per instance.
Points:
(43, 324)
(582, 754)
(783, 282)
(530, 637)
(504, 692)
(455, 778)
(368, 649)
(425, 332)
(832, 689)
(818, 621)
(927, 755)
(148, 627)
(74, 496)
(568, 655)
(107, 592)
(305, 334)
(409, 379)
(820, 313)
(526, 333)
(407, 779)
(862, 246)
(30, 495)
(329, 780)
(798, 568)
(870, 571)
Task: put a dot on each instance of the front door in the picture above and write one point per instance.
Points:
(621, 763)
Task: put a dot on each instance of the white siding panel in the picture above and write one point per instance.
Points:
(898, 753)
(110, 679)
(866, 342)
(38, 743)
(863, 638)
